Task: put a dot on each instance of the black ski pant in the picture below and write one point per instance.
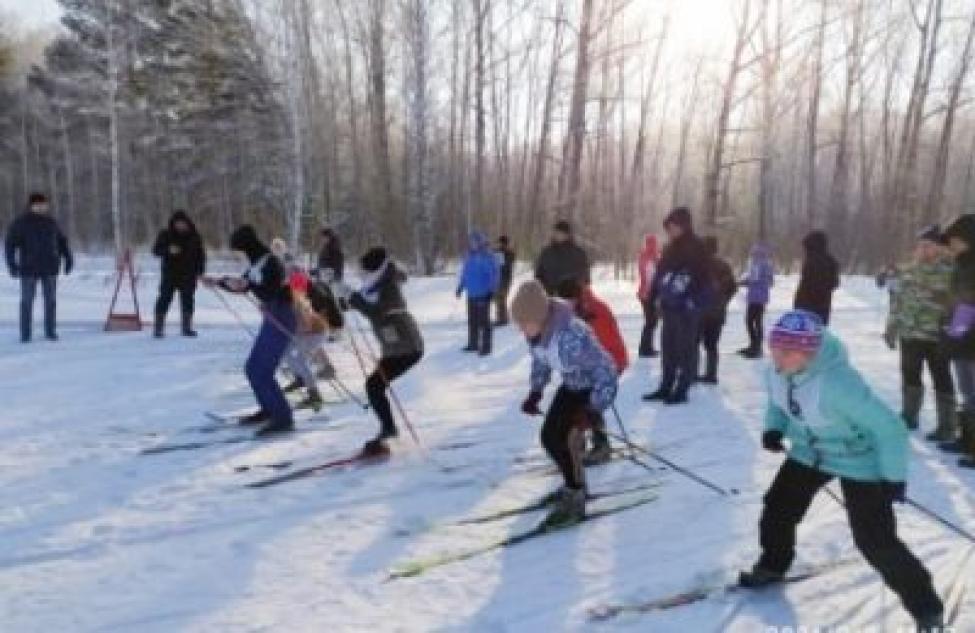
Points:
(649, 328)
(479, 324)
(501, 302)
(187, 293)
(754, 315)
(678, 348)
(563, 434)
(871, 515)
(389, 369)
(710, 335)
(28, 289)
(914, 354)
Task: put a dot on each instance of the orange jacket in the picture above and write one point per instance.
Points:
(600, 318)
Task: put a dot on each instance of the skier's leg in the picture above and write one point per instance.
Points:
(388, 370)
(786, 503)
(49, 285)
(556, 436)
(874, 525)
(28, 287)
(269, 348)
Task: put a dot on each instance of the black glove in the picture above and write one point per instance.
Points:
(894, 491)
(772, 441)
(530, 405)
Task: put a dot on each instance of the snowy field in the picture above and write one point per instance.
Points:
(95, 536)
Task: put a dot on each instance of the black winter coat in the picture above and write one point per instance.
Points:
(35, 247)
(385, 307)
(724, 286)
(820, 277)
(182, 253)
(332, 258)
(507, 257)
(559, 262)
(687, 255)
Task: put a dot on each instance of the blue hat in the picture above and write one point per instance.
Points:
(798, 330)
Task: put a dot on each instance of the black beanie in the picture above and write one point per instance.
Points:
(373, 259)
(563, 226)
(244, 239)
(681, 216)
(36, 198)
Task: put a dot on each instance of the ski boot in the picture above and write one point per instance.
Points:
(658, 395)
(759, 577)
(274, 427)
(294, 385)
(570, 508)
(600, 453)
(258, 417)
(752, 354)
(377, 447)
(312, 401)
(947, 419)
(933, 623)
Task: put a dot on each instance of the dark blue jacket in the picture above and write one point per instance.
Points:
(35, 247)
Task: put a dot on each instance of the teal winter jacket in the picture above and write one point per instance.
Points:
(834, 422)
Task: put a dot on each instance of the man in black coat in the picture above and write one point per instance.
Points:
(35, 247)
(507, 259)
(681, 291)
(183, 257)
(562, 260)
(820, 277)
(331, 259)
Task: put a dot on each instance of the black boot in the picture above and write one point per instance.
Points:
(275, 427)
(294, 385)
(759, 577)
(188, 324)
(159, 325)
(678, 397)
(258, 417)
(960, 446)
(659, 394)
(912, 398)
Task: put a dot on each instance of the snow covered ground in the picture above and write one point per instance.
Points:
(96, 537)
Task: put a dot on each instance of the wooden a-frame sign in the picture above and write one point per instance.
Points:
(124, 321)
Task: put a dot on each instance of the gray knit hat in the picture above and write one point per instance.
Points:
(530, 304)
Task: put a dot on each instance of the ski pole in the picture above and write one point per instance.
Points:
(231, 310)
(343, 390)
(679, 469)
(934, 516)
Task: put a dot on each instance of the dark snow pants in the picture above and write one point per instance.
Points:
(871, 516)
(273, 340)
(168, 288)
(649, 328)
(710, 336)
(28, 288)
(754, 315)
(389, 369)
(479, 324)
(915, 353)
(564, 434)
(678, 347)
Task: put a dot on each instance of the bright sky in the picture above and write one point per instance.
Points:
(31, 12)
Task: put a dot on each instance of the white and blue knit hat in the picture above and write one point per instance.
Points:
(798, 330)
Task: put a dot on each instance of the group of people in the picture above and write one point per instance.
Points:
(820, 411)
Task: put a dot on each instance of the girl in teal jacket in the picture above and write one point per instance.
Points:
(823, 414)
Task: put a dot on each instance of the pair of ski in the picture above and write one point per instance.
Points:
(633, 498)
(706, 591)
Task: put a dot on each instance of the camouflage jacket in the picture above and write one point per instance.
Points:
(921, 301)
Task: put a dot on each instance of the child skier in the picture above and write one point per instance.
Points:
(381, 300)
(309, 342)
(758, 282)
(265, 278)
(960, 338)
(479, 278)
(599, 317)
(918, 310)
(559, 341)
(836, 427)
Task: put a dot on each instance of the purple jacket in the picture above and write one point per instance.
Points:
(760, 276)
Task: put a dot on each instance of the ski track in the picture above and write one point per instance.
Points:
(95, 537)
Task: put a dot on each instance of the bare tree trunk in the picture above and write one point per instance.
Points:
(812, 123)
(570, 180)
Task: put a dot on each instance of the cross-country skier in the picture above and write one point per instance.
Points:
(758, 282)
(381, 300)
(183, 260)
(919, 307)
(479, 278)
(832, 425)
(597, 314)
(308, 348)
(265, 278)
(960, 338)
(561, 342)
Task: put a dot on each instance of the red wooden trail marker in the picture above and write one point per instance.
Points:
(124, 321)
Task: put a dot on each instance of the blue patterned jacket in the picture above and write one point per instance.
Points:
(568, 346)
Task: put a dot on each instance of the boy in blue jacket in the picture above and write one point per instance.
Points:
(479, 278)
(836, 428)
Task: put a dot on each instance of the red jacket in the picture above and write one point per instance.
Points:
(647, 265)
(600, 318)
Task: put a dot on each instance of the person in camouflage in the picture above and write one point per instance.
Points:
(919, 308)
